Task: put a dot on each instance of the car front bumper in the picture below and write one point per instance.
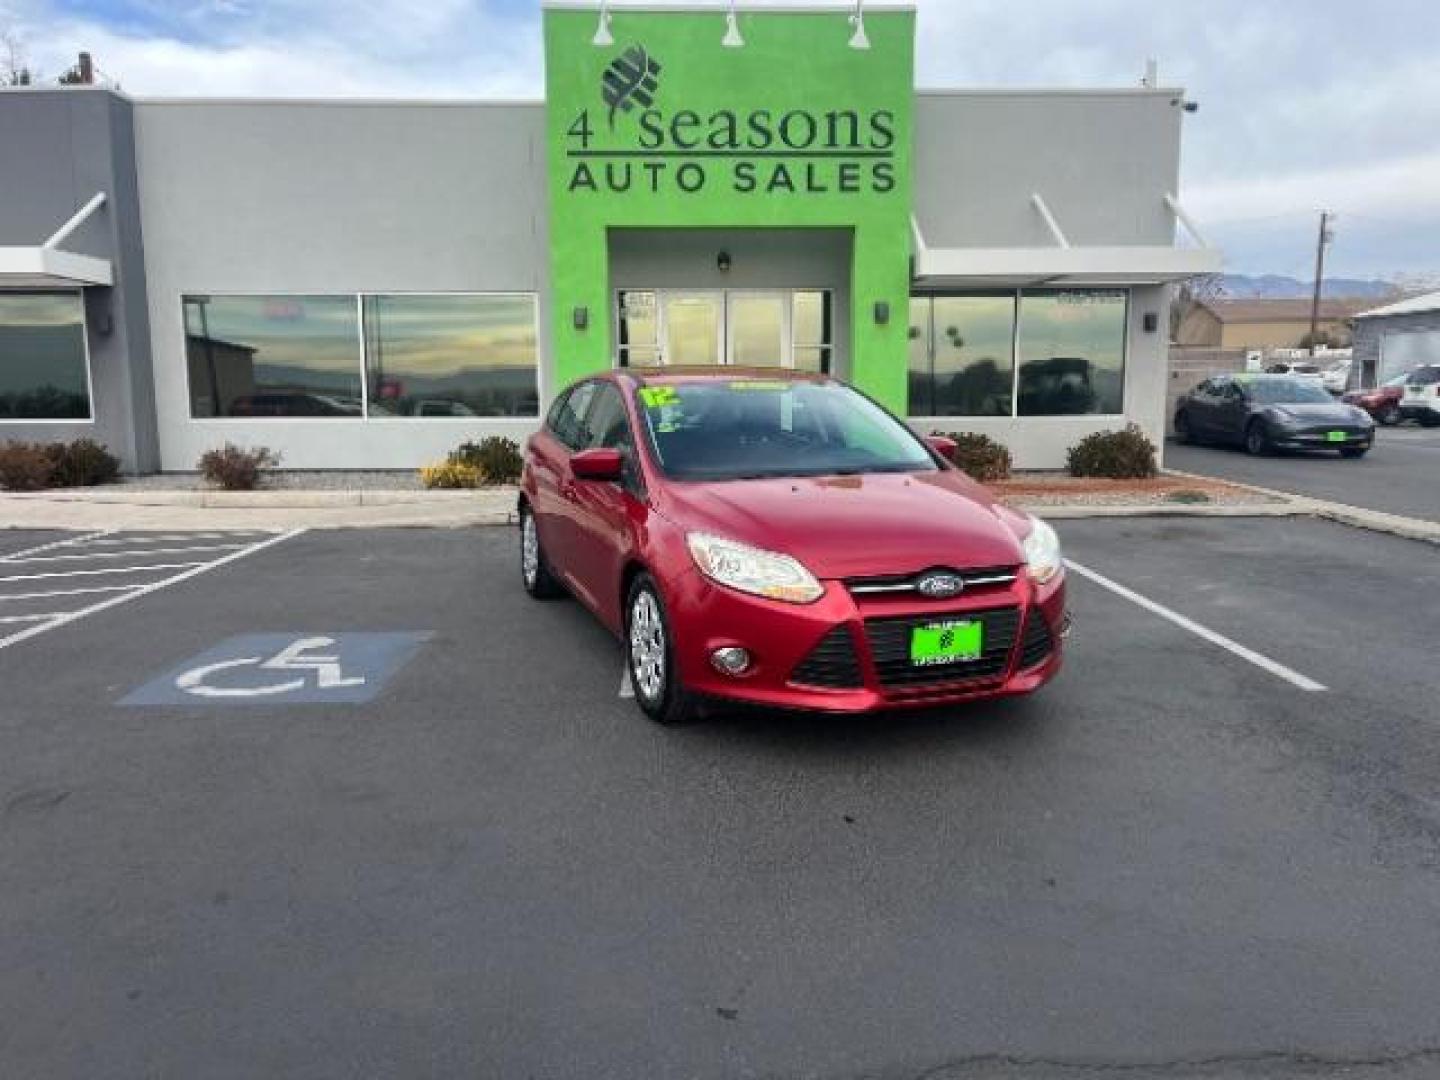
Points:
(1287, 439)
(848, 653)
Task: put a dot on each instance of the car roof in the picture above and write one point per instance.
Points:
(721, 373)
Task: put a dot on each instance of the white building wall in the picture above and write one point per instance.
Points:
(321, 198)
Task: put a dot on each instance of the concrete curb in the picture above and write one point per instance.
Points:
(1356, 516)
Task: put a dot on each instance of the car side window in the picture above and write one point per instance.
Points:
(606, 423)
(568, 416)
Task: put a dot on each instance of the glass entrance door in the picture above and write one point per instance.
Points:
(759, 328)
(756, 330)
(691, 322)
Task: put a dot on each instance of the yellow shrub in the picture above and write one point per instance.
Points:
(450, 474)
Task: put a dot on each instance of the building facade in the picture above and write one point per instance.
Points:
(1265, 323)
(1395, 339)
(366, 284)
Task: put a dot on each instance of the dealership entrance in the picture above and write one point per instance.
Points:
(787, 328)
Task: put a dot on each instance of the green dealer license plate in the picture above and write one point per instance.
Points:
(1335, 436)
(946, 642)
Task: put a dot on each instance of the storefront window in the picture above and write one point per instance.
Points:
(451, 355)
(639, 328)
(282, 356)
(42, 357)
(1071, 346)
(962, 355)
(811, 329)
(1072, 352)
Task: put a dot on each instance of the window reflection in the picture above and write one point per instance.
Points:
(273, 356)
(1072, 352)
(452, 355)
(42, 357)
(961, 355)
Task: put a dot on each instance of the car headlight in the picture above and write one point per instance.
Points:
(1042, 552)
(1361, 416)
(751, 570)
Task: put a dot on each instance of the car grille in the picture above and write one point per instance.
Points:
(890, 647)
(905, 583)
(1037, 643)
(831, 664)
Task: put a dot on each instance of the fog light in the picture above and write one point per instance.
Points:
(731, 660)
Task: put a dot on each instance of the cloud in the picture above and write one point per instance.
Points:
(1301, 106)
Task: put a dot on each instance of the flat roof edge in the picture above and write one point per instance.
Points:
(388, 102)
(743, 7)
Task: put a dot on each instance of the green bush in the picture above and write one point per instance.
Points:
(1114, 455)
(451, 475)
(236, 468)
(497, 458)
(81, 463)
(979, 455)
(25, 467)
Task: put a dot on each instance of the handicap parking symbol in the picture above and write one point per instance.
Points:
(258, 669)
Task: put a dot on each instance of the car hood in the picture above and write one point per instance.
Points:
(854, 526)
(1317, 412)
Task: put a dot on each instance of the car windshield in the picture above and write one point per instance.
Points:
(1285, 391)
(751, 428)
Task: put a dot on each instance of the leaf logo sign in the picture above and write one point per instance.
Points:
(630, 80)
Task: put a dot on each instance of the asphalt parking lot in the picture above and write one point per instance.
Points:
(479, 860)
(1398, 476)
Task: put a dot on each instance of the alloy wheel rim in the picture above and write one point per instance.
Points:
(647, 647)
(529, 550)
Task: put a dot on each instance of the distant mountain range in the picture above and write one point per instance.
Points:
(1279, 287)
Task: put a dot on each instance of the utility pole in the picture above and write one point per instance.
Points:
(1324, 237)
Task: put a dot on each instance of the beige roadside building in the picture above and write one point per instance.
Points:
(1264, 324)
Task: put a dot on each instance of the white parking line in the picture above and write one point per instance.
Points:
(103, 570)
(142, 590)
(627, 689)
(29, 618)
(64, 592)
(68, 542)
(125, 554)
(1279, 670)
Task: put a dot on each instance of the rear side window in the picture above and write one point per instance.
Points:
(1425, 376)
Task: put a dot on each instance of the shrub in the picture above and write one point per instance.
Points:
(82, 463)
(1115, 455)
(452, 474)
(496, 457)
(25, 467)
(1188, 495)
(236, 468)
(980, 456)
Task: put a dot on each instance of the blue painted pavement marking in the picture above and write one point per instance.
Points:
(284, 669)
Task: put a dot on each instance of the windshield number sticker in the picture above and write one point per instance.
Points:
(759, 385)
(657, 397)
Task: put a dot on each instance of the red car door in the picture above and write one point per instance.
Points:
(607, 514)
(552, 499)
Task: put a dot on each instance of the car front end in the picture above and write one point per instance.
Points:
(1334, 428)
(922, 637)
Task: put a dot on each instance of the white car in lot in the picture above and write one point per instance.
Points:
(1336, 377)
(1298, 369)
(1422, 396)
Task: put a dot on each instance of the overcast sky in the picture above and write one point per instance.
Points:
(1303, 103)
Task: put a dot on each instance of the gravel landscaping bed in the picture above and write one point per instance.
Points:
(288, 480)
(1062, 489)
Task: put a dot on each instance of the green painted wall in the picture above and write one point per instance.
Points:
(793, 130)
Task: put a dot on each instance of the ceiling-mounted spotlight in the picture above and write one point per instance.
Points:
(858, 40)
(732, 38)
(603, 36)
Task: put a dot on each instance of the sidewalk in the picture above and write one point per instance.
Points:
(116, 508)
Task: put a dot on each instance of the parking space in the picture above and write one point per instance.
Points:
(1398, 476)
(494, 866)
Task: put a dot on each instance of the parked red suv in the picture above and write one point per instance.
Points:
(780, 539)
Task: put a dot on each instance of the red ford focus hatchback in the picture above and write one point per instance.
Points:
(779, 539)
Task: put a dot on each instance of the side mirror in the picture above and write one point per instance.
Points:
(601, 463)
(942, 445)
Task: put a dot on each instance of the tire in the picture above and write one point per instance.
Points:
(1182, 429)
(1257, 439)
(1429, 419)
(535, 573)
(1390, 417)
(650, 656)
(1354, 451)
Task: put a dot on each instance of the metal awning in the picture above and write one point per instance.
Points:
(45, 266)
(1062, 263)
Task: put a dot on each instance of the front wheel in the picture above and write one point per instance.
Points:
(1354, 451)
(1429, 419)
(650, 656)
(1257, 439)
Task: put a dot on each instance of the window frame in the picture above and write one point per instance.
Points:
(359, 299)
(79, 295)
(1018, 295)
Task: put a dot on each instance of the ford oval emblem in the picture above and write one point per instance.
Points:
(940, 584)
